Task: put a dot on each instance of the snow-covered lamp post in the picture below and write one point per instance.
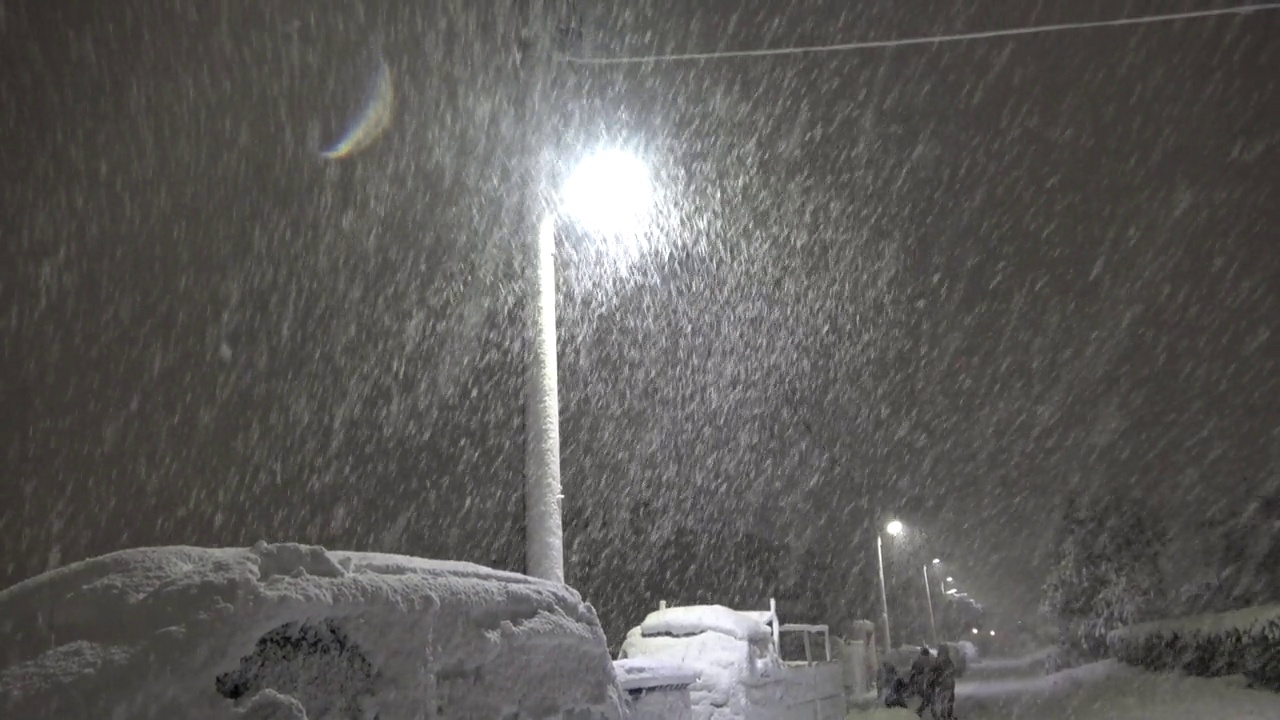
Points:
(608, 194)
(893, 528)
(928, 596)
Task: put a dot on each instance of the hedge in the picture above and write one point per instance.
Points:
(1242, 642)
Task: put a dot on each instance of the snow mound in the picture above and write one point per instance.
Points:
(1245, 621)
(969, 651)
(1240, 642)
(734, 675)
(694, 619)
(292, 631)
(645, 673)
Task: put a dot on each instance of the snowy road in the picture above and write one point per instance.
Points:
(1015, 690)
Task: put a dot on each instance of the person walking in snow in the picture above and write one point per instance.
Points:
(943, 684)
(895, 688)
(921, 678)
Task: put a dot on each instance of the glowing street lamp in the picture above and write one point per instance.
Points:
(893, 528)
(608, 194)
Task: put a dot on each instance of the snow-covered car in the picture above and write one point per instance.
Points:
(740, 675)
(293, 631)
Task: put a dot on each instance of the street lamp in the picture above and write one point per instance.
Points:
(893, 528)
(928, 596)
(608, 194)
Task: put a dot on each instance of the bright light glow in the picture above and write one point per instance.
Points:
(609, 193)
(893, 528)
(975, 631)
(993, 633)
(936, 561)
(950, 579)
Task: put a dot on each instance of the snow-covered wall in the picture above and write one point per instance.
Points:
(284, 631)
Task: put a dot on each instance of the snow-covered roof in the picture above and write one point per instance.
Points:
(155, 632)
(694, 619)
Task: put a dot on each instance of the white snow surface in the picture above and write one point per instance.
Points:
(642, 672)
(694, 619)
(1245, 621)
(147, 633)
(728, 669)
(1109, 691)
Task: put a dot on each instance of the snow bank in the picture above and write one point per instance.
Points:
(1241, 642)
(694, 619)
(292, 631)
(970, 652)
(1247, 620)
(642, 672)
(1110, 691)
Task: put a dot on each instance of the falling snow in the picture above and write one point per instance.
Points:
(963, 284)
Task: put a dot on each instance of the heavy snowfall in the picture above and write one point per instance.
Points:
(689, 359)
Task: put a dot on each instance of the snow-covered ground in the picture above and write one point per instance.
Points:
(1015, 689)
(1107, 691)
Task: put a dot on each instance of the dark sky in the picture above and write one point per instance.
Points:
(952, 283)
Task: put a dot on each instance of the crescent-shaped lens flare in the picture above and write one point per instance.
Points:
(370, 123)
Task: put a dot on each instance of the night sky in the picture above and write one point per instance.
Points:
(948, 283)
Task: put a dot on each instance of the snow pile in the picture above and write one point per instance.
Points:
(694, 619)
(645, 673)
(969, 651)
(1110, 691)
(1241, 642)
(736, 666)
(293, 631)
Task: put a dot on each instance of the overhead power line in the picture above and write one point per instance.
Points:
(929, 40)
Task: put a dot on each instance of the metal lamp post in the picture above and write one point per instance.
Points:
(893, 528)
(607, 194)
(928, 595)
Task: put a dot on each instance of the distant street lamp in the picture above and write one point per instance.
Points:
(928, 596)
(893, 528)
(608, 194)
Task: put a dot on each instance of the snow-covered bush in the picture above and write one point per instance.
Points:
(1241, 642)
(1105, 576)
(293, 631)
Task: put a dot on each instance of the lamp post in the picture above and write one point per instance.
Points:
(928, 595)
(893, 528)
(607, 194)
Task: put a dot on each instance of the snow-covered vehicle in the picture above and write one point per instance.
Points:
(740, 673)
(292, 631)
